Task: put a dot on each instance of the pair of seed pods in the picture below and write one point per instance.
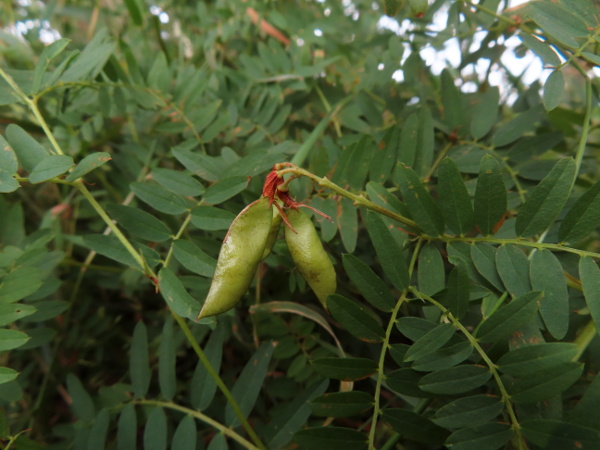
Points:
(250, 239)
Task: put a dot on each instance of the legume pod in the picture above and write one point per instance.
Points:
(309, 255)
(240, 254)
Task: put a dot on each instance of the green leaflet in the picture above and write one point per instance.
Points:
(490, 197)
(419, 202)
(547, 199)
(455, 203)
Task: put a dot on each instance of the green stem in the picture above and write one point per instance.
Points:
(202, 417)
(522, 243)
(384, 348)
(120, 236)
(357, 199)
(32, 103)
(493, 368)
(215, 376)
(44, 125)
(182, 228)
(585, 130)
(380, 372)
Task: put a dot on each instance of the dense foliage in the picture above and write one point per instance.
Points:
(464, 236)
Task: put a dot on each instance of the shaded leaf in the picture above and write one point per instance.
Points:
(29, 152)
(224, 189)
(491, 436)
(484, 258)
(345, 369)
(406, 382)
(204, 387)
(419, 202)
(372, 288)
(211, 218)
(413, 426)
(388, 253)
(49, 167)
(140, 223)
(485, 113)
(444, 357)
(430, 341)
(546, 383)
(127, 428)
(185, 435)
(166, 361)
(509, 318)
(524, 361)
(590, 282)
(431, 274)
(558, 22)
(332, 438)
(206, 167)
(159, 198)
(546, 199)
(139, 365)
(355, 318)
(348, 224)
(513, 268)
(292, 417)
(155, 431)
(516, 127)
(455, 380)
(48, 54)
(87, 164)
(178, 182)
(19, 283)
(193, 258)
(455, 203)
(385, 156)
(554, 88)
(457, 296)
(10, 339)
(82, 403)
(176, 296)
(559, 435)
(490, 196)
(342, 404)
(7, 374)
(110, 247)
(249, 383)
(468, 411)
(99, 431)
(547, 276)
(583, 217)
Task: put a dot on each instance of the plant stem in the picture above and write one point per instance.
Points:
(215, 376)
(384, 348)
(182, 228)
(493, 368)
(120, 236)
(357, 199)
(203, 417)
(522, 243)
(380, 372)
(585, 129)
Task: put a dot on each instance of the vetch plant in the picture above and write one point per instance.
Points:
(148, 299)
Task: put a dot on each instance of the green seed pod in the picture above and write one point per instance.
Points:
(275, 226)
(309, 255)
(239, 257)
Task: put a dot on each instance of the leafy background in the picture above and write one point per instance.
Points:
(464, 237)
